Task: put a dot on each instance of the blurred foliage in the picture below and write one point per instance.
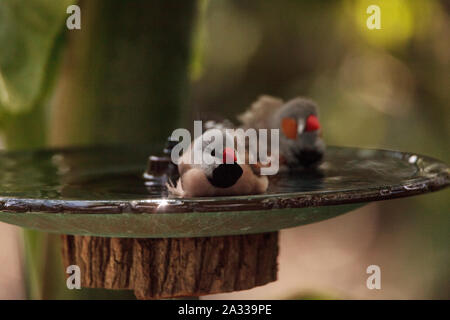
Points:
(198, 41)
(31, 37)
(397, 16)
(322, 50)
(383, 88)
(28, 30)
(124, 76)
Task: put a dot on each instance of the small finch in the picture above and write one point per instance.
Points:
(300, 145)
(216, 178)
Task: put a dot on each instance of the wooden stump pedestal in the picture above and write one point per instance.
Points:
(174, 267)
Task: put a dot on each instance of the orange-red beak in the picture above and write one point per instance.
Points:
(312, 123)
(229, 156)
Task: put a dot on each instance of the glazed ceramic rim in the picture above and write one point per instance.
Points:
(437, 177)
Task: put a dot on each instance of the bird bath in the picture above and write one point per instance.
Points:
(98, 199)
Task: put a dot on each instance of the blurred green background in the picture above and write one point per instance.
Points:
(137, 70)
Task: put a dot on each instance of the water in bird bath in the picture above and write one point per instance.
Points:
(107, 174)
(101, 191)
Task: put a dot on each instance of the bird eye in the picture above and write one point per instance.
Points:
(213, 153)
(289, 128)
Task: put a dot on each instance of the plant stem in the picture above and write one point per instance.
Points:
(125, 75)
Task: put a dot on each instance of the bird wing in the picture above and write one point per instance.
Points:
(259, 114)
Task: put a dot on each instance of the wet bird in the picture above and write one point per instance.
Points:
(300, 145)
(216, 178)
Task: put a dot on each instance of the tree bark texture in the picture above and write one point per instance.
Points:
(178, 267)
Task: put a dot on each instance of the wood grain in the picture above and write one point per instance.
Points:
(174, 267)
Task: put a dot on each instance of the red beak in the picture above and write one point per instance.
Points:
(229, 156)
(312, 123)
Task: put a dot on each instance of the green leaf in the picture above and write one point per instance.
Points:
(28, 29)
